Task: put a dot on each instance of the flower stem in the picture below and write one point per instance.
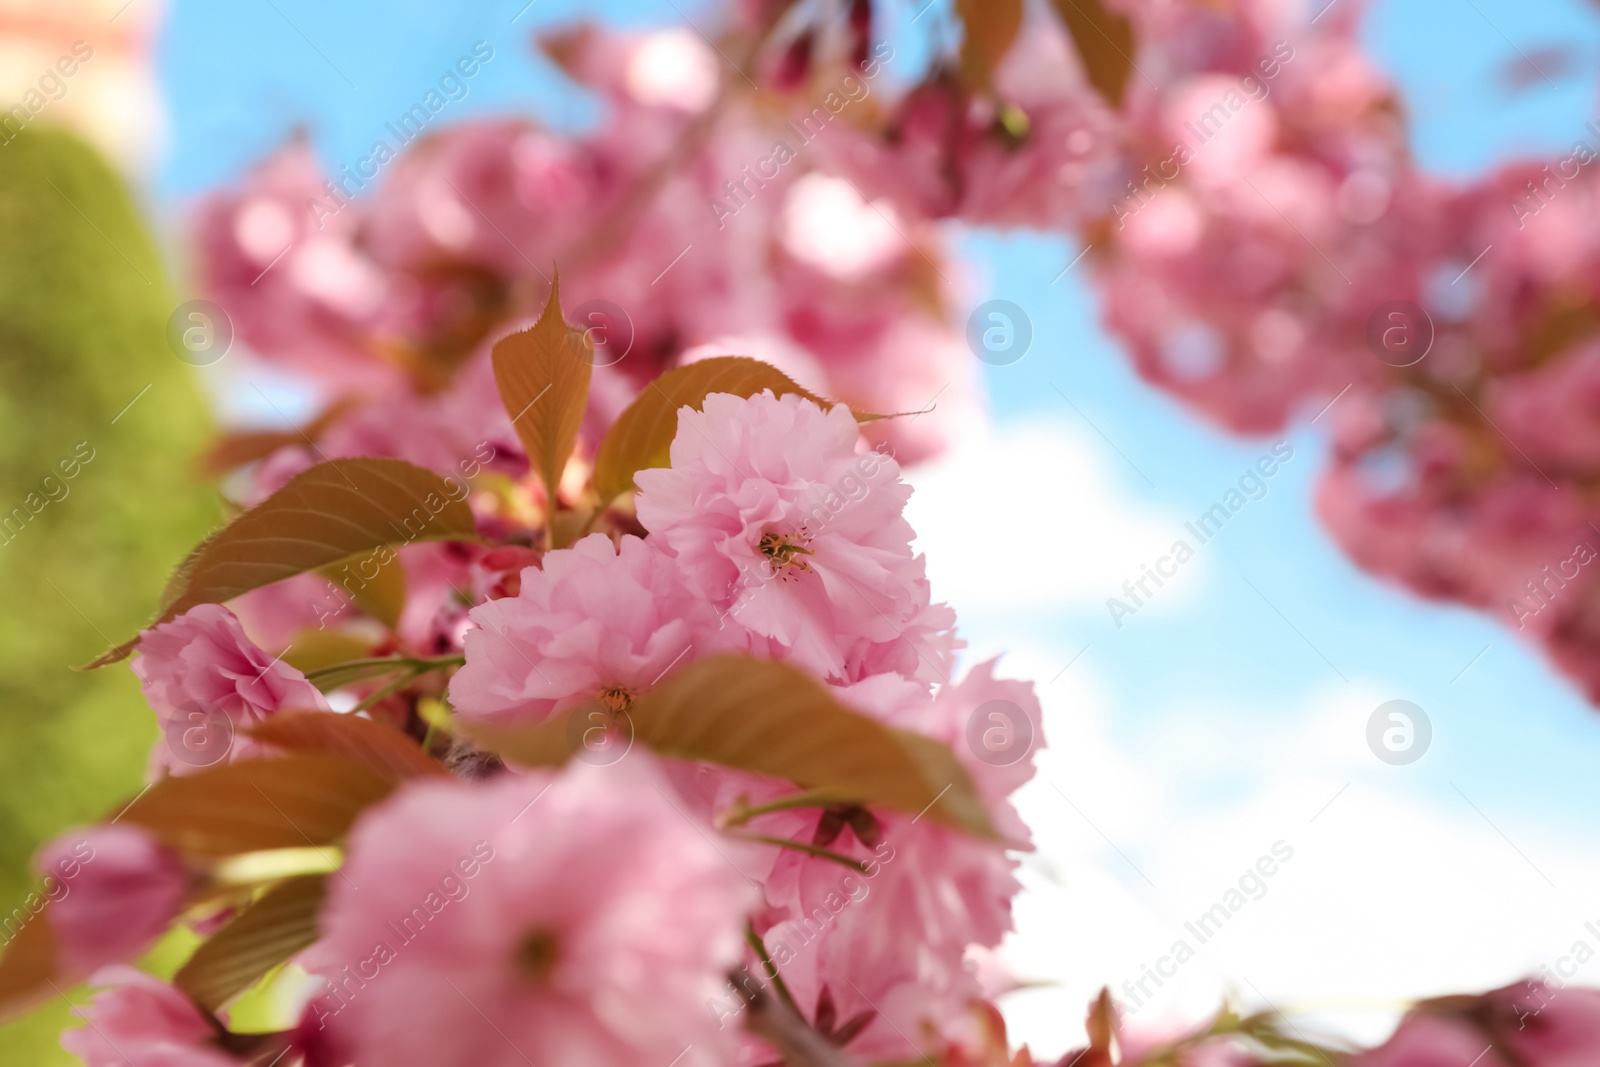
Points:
(380, 664)
(810, 850)
(767, 965)
(742, 812)
(399, 683)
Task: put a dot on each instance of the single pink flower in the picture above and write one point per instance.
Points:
(879, 955)
(139, 1021)
(995, 727)
(776, 519)
(206, 682)
(596, 621)
(578, 918)
(889, 945)
(118, 889)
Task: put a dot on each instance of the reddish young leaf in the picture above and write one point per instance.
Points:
(1103, 39)
(324, 515)
(642, 435)
(289, 802)
(278, 925)
(757, 715)
(383, 595)
(233, 450)
(379, 748)
(543, 377)
(28, 968)
(991, 28)
(318, 650)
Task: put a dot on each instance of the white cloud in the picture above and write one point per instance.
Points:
(1146, 817)
(1392, 892)
(1029, 516)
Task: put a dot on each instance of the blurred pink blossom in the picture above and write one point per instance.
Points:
(127, 889)
(135, 1020)
(551, 919)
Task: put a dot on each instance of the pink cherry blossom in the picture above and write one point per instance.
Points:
(201, 667)
(139, 1021)
(389, 289)
(844, 942)
(950, 152)
(995, 727)
(1550, 411)
(851, 943)
(890, 943)
(120, 890)
(597, 620)
(297, 289)
(570, 919)
(777, 518)
(1529, 1024)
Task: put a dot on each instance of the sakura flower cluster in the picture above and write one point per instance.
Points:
(1275, 253)
(631, 909)
(694, 221)
(1255, 220)
(1267, 248)
(775, 531)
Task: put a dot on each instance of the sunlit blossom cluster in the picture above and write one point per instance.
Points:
(1263, 244)
(604, 913)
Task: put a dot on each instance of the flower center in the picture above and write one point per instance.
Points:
(783, 551)
(537, 953)
(616, 698)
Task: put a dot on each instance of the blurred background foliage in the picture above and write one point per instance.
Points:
(84, 302)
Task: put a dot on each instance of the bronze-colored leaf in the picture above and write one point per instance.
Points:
(317, 650)
(324, 515)
(773, 719)
(642, 435)
(278, 925)
(991, 27)
(300, 800)
(549, 358)
(233, 450)
(29, 967)
(547, 743)
(1103, 39)
(381, 594)
(377, 747)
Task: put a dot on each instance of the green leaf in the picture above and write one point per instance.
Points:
(381, 749)
(1104, 42)
(543, 377)
(773, 719)
(253, 805)
(324, 515)
(991, 28)
(278, 925)
(642, 435)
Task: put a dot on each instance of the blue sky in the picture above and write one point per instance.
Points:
(1514, 747)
